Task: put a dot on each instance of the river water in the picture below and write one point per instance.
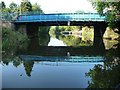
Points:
(62, 62)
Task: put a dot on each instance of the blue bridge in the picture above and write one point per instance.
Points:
(31, 22)
(61, 17)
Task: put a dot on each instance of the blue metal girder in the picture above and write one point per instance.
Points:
(61, 17)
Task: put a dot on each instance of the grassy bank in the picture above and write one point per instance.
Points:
(12, 39)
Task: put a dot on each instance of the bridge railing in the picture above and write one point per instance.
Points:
(62, 17)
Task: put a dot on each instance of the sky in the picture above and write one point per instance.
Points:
(49, 6)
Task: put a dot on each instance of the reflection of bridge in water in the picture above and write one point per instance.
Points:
(63, 54)
(62, 58)
(37, 50)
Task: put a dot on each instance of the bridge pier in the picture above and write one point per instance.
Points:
(118, 27)
(99, 29)
(32, 29)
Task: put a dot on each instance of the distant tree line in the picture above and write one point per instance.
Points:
(16, 9)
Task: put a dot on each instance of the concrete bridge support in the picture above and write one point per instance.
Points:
(118, 26)
(32, 29)
(99, 29)
(28, 28)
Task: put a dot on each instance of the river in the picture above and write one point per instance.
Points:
(62, 62)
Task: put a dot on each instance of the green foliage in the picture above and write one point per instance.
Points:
(87, 34)
(6, 16)
(2, 5)
(14, 10)
(7, 58)
(73, 40)
(106, 75)
(26, 6)
(13, 7)
(99, 6)
(12, 39)
(44, 29)
(52, 31)
(36, 8)
(44, 39)
(111, 19)
(103, 76)
(11, 12)
(65, 28)
(28, 67)
(3, 8)
(110, 9)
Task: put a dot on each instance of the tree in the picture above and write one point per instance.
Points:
(28, 67)
(13, 7)
(25, 6)
(109, 9)
(36, 8)
(2, 5)
(104, 76)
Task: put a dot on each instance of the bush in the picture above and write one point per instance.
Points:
(12, 39)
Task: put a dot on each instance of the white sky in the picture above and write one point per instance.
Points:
(59, 5)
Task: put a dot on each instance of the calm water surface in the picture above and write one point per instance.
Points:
(87, 66)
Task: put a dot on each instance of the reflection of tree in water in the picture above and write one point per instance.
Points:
(71, 40)
(7, 58)
(12, 42)
(43, 35)
(35, 42)
(113, 52)
(6, 62)
(44, 39)
(28, 67)
(110, 43)
(104, 77)
(16, 63)
(107, 75)
(74, 41)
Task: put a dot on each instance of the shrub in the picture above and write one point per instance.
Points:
(12, 39)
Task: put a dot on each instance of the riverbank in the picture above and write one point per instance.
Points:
(11, 40)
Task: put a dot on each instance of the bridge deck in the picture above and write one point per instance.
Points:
(61, 17)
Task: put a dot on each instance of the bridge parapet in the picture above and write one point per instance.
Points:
(61, 17)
